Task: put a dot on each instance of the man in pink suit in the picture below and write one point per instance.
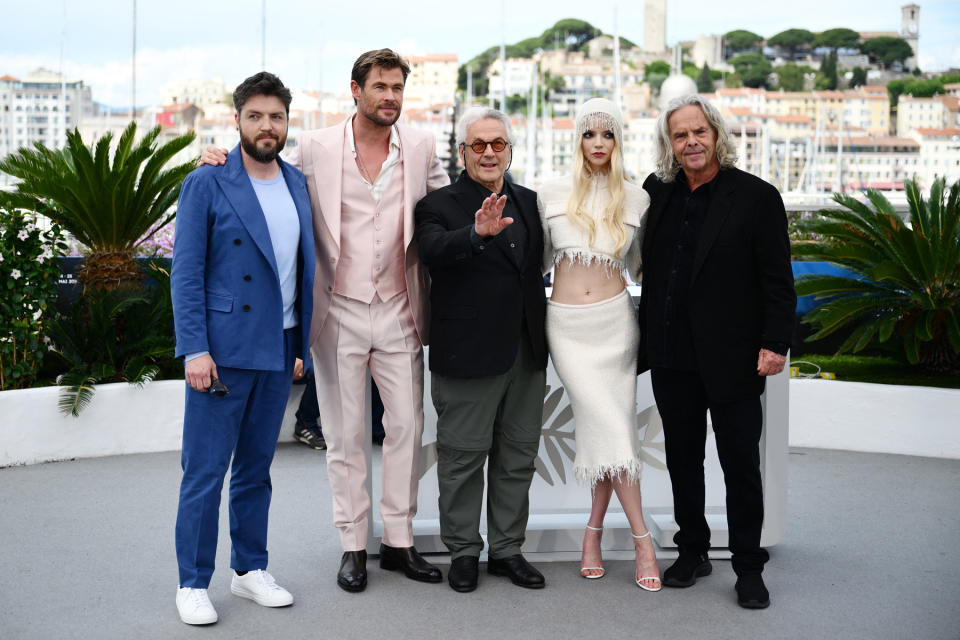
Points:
(364, 177)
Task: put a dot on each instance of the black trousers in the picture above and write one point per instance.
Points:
(683, 402)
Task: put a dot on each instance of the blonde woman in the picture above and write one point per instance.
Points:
(593, 221)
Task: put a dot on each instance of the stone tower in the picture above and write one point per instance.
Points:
(910, 31)
(655, 25)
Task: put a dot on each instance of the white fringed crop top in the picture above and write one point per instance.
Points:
(564, 239)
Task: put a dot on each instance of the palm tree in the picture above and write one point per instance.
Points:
(907, 281)
(110, 207)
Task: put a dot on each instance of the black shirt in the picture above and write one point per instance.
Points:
(668, 275)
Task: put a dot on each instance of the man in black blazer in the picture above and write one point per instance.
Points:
(716, 317)
(482, 243)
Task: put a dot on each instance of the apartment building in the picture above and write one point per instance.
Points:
(432, 80)
(202, 93)
(939, 154)
(938, 112)
(40, 108)
(868, 109)
(515, 80)
(877, 162)
(864, 108)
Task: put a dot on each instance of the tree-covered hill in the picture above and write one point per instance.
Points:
(569, 33)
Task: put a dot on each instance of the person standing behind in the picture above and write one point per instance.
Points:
(593, 222)
(716, 317)
(241, 282)
(482, 242)
(370, 307)
(307, 427)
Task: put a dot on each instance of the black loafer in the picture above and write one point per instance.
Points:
(410, 562)
(353, 571)
(685, 571)
(464, 572)
(751, 592)
(520, 572)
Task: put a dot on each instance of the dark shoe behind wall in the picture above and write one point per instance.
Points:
(310, 436)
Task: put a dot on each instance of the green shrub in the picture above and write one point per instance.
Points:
(118, 335)
(28, 286)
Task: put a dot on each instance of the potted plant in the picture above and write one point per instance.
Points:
(111, 204)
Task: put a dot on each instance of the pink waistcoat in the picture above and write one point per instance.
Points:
(371, 236)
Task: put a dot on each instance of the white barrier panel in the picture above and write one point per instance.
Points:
(559, 506)
(882, 418)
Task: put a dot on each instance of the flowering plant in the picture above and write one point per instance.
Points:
(28, 286)
(158, 242)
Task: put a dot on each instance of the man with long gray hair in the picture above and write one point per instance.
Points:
(482, 242)
(716, 317)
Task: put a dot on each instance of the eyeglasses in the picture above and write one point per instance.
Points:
(479, 146)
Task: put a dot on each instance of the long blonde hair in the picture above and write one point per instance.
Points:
(596, 115)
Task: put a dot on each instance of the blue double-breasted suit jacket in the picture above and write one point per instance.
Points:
(225, 285)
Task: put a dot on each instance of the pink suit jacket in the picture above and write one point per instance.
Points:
(319, 155)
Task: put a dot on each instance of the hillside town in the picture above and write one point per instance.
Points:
(813, 113)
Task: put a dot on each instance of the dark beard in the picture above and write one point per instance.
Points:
(250, 146)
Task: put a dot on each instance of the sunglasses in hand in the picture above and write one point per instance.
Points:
(218, 389)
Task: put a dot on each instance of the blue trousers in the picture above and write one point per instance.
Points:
(245, 425)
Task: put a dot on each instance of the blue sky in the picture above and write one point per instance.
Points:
(312, 44)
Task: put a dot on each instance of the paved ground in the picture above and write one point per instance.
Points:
(871, 551)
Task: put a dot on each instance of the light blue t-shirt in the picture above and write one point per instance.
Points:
(284, 225)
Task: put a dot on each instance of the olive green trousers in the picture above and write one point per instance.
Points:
(494, 420)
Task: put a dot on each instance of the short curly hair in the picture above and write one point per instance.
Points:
(261, 84)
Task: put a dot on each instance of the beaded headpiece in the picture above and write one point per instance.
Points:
(600, 113)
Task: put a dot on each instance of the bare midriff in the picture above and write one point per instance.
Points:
(578, 283)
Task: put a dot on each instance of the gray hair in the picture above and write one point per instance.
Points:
(667, 164)
(474, 114)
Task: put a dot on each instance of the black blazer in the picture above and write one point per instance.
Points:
(741, 290)
(478, 302)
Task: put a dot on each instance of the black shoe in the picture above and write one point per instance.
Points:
(520, 572)
(353, 571)
(309, 435)
(464, 573)
(410, 562)
(751, 592)
(685, 571)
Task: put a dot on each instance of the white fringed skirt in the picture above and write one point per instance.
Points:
(594, 351)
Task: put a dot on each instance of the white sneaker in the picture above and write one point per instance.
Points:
(260, 587)
(194, 606)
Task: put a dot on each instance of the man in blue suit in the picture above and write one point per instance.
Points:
(242, 285)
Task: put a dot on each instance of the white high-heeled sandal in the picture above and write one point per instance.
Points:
(640, 579)
(602, 571)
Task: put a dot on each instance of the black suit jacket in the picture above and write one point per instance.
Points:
(741, 289)
(478, 301)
